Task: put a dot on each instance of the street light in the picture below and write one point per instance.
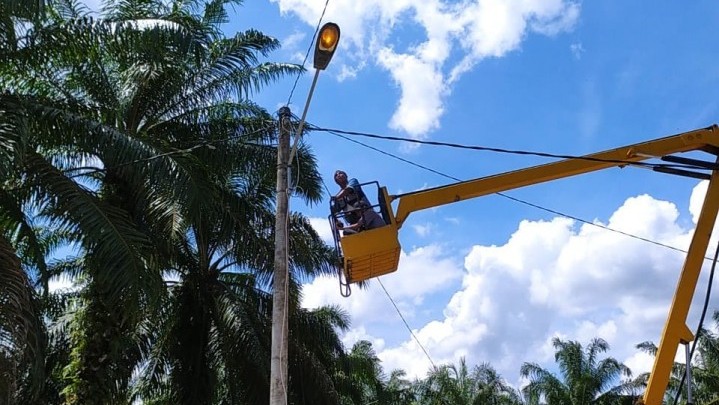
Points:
(325, 47)
(327, 40)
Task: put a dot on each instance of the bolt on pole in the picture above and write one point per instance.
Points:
(279, 383)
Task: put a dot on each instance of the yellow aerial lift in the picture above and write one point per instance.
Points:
(376, 252)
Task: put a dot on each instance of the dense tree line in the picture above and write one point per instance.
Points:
(134, 162)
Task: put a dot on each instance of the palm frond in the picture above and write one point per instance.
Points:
(22, 336)
(116, 245)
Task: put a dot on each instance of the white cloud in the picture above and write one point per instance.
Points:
(590, 116)
(425, 71)
(348, 72)
(422, 87)
(294, 40)
(431, 271)
(298, 57)
(697, 199)
(322, 226)
(577, 50)
(550, 278)
(453, 220)
(423, 230)
(639, 362)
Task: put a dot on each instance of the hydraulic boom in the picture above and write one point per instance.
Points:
(376, 252)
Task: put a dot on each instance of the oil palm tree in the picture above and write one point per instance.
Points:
(213, 337)
(705, 369)
(397, 389)
(452, 384)
(361, 377)
(22, 333)
(585, 378)
(122, 130)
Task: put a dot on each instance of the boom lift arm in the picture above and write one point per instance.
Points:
(375, 252)
(621, 157)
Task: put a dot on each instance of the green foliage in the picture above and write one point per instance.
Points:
(130, 139)
(132, 136)
(705, 369)
(585, 379)
(452, 384)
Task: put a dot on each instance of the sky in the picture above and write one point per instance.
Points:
(492, 279)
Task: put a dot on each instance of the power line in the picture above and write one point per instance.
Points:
(172, 153)
(700, 326)
(406, 324)
(378, 279)
(584, 221)
(307, 55)
(91, 170)
(506, 151)
(397, 157)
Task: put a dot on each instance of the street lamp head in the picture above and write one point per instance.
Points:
(326, 44)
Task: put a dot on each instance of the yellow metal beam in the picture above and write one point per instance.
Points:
(675, 329)
(623, 156)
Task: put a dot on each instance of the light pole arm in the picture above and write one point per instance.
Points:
(301, 127)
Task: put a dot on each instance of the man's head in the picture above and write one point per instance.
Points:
(341, 178)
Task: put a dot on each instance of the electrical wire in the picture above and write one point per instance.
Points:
(707, 296)
(584, 221)
(329, 193)
(307, 54)
(711, 274)
(171, 153)
(378, 278)
(406, 324)
(508, 151)
(92, 170)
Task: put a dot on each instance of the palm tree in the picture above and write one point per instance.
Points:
(397, 390)
(135, 140)
(360, 379)
(675, 378)
(705, 369)
(213, 337)
(585, 379)
(451, 384)
(22, 333)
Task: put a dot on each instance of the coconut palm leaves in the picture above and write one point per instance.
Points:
(705, 369)
(132, 135)
(21, 332)
(585, 379)
(452, 384)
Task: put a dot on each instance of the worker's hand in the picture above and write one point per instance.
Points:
(339, 225)
(344, 191)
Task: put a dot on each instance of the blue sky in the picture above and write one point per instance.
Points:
(491, 279)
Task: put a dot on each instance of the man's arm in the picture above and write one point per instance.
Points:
(351, 188)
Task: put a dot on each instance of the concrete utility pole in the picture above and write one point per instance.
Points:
(325, 47)
(280, 326)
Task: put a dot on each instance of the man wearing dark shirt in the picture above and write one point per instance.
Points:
(354, 203)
